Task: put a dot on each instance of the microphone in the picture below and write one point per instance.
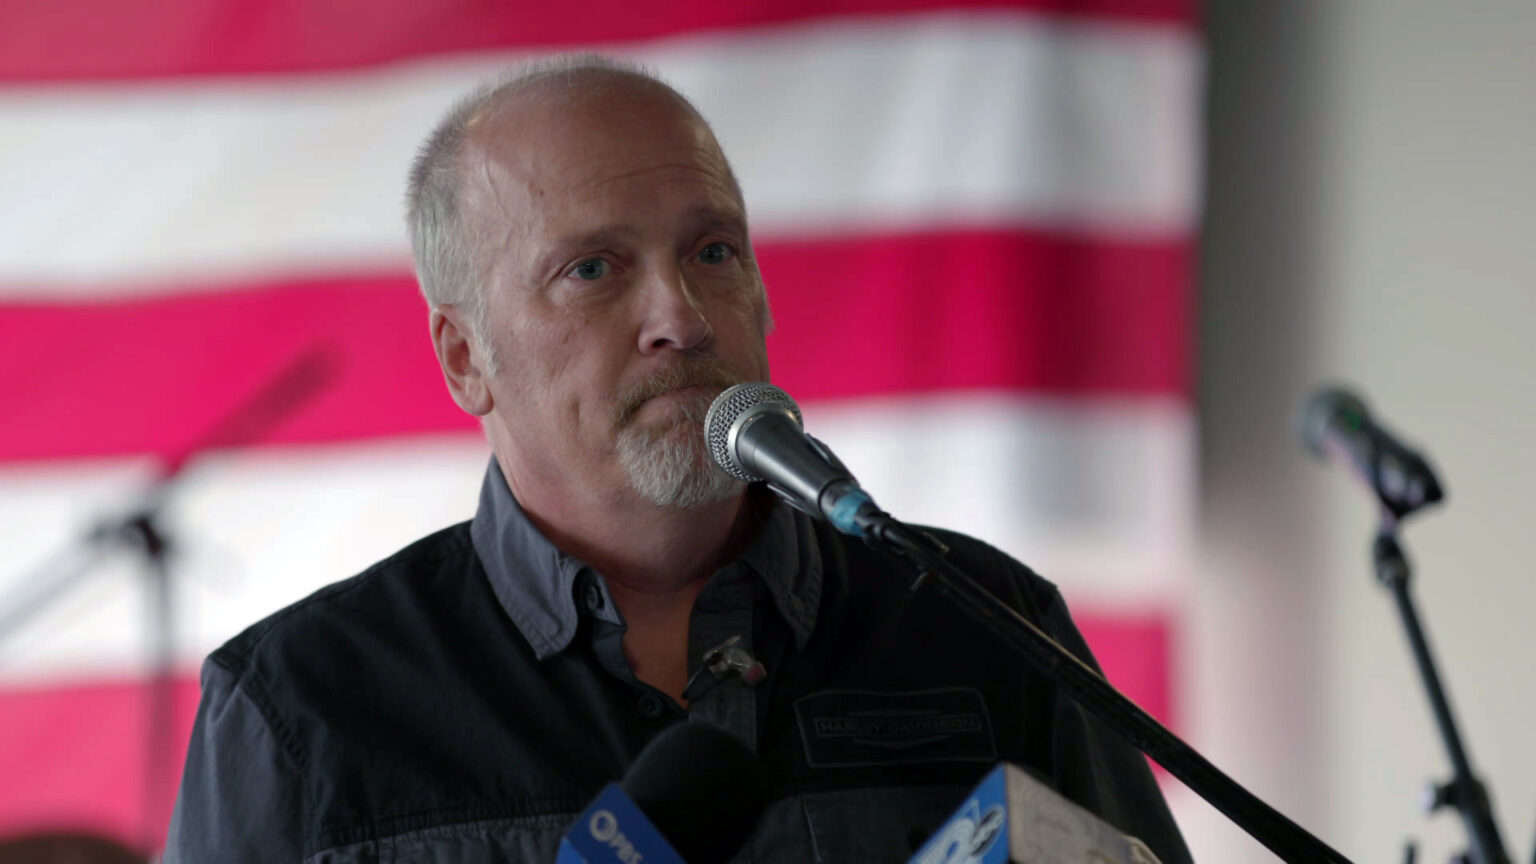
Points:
(692, 795)
(1335, 422)
(1012, 817)
(755, 432)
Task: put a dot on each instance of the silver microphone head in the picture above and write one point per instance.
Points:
(731, 411)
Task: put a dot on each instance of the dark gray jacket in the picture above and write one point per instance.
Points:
(464, 699)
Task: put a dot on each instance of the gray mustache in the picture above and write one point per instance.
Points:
(696, 372)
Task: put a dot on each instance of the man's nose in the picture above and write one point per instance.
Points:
(673, 314)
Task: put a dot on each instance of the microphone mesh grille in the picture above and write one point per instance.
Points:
(727, 408)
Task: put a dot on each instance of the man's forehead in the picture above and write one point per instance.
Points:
(534, 144)
(555, 124)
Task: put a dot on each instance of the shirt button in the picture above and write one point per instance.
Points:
(650, 706)
(593, 598)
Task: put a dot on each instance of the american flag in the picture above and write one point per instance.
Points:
(975, 220)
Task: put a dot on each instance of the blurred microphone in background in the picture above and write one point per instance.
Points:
(1336, 424)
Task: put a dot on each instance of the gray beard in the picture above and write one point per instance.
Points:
(670, 465)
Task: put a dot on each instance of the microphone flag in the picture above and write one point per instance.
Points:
(1012, 817)
(612, 830)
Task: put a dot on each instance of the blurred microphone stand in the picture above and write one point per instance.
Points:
(1463, 791)
(142, 531)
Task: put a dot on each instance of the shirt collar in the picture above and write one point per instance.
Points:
(536, 583)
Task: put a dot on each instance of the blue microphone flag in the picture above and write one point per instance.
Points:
(1013, 818)
(614, 831)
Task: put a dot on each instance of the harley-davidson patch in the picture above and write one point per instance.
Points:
(853, 728)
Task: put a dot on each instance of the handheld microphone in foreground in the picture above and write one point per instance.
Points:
(1336, 422)
(1012, 817)
(691, 797)
(755, 432)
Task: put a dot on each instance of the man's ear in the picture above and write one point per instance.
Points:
(463, 366)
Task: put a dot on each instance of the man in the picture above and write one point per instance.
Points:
(583, 245)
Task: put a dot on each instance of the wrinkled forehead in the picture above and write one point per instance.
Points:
(557, 136)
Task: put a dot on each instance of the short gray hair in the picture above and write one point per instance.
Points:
(446, 256)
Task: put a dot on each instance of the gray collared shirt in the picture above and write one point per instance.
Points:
(465, 698)
(546, 593)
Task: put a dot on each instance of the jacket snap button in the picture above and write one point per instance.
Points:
(651, 707)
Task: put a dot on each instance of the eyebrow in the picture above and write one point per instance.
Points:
(598, 236)
(710, 217)
(602, 235)
(702, 218)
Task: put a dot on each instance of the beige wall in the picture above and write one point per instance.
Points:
(1371, 219)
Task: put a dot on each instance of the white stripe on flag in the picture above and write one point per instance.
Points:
(874, 125)
(1094, 496)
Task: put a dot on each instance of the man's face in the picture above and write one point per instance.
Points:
(622, 294)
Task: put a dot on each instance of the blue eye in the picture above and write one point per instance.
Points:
(591, 269)
(716, 253)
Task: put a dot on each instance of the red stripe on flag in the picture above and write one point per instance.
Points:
(59, 40)
(866, 316)
(82, 761)
(1135, 651)
(983, 310)
(75, 759)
